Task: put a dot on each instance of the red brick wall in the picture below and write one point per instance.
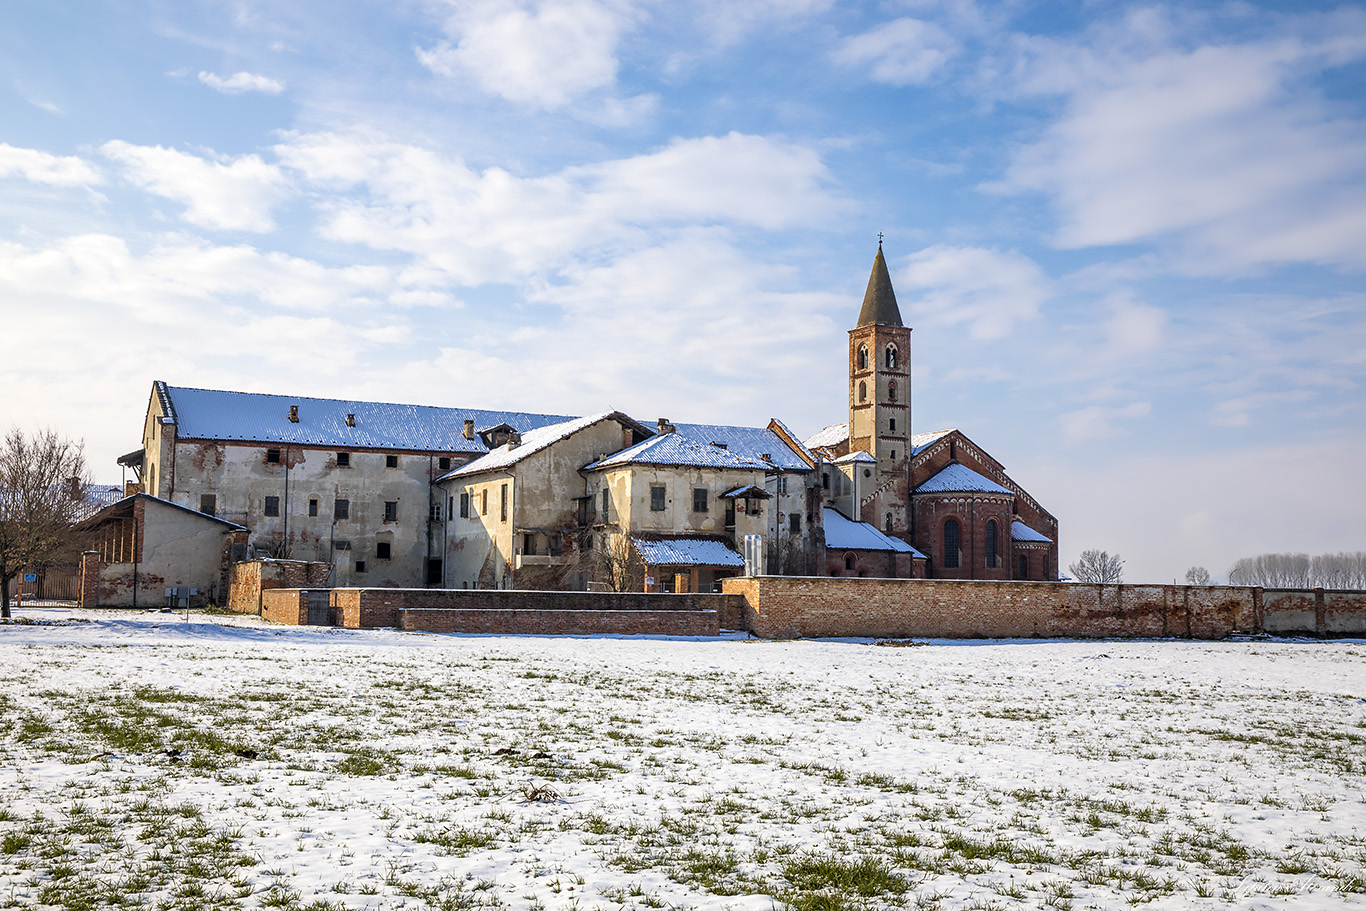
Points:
(248, 580)
(285, 605)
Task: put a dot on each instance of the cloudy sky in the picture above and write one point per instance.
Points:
(1130, 238)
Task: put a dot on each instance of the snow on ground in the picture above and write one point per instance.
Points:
(220, 762)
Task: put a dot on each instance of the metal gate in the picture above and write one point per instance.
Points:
(320, 611)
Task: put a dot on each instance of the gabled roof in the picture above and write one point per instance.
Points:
(846, 534)
(125, 506)
(957, 478)
(861, 455)
(209, 414)
(752, 442)
(1022, 532)
(832, 435)
(787, 436)
(920, 440)
(750, 491)
(678, 449)
(537, 439)
(879, 300)
(681, 551)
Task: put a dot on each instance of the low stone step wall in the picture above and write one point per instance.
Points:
(573, 622)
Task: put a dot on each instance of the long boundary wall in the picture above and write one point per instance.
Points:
(791, 607)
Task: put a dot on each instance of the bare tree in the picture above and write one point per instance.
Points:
(1197, 575)
(1098, 566)
(612, 560)
(42, 490)
(1344, 571)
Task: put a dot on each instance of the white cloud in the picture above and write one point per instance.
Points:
(42, 167)
(1133, 328)
(545, 54)
(234, 195)
(904, 51)
(1223, 153)
(238, 83)
(1098, 421)
(988, 289)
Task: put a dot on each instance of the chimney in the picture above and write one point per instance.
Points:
(469, 428)
(350, 420)
(514, 440)
(766, 456)
(663, 426)
(294, 414)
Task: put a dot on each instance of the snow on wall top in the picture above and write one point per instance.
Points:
(209, 414)
(833, 435)
(686, 552)
(1022, 532)
(751, 442)
(920, 440)
(533, 441)
(678, 449)
(846, 534)
(956, 478)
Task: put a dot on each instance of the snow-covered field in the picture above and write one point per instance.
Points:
(220, 762)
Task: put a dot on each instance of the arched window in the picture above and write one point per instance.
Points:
(849, 562)
(991, 544)
(891, 357)
(888, 523)
(825, 480)
(863, 357)
(863, 392)
(951, 544)
(891, 391)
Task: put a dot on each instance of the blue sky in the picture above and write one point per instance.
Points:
(1130, 238)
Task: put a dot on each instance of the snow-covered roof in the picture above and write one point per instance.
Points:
(678, 449)
(752, 442)
(533, 441)
(124, 507)
(686, 552)
(807, 455)
(920, 440)
(749, 490)
(209, 414)
(833, 435)
(846, 534)
(956, 478)
(1022, 532)
(860, 456)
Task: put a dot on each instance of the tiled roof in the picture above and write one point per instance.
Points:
(686, 552)
(807, 455)
(860, 456)
(846, 534)
(832, 435)
(1022, 532)
(956, 478)
(748, 490)
(124, 506)
(208, 414)
(677, 449)
(533, 441)
(920, 440)
(752, 442)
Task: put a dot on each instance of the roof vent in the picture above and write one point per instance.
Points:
(719, 445)
(294, 414)
(350, 420)
(766, 456)
(469, 428)
(663, 426)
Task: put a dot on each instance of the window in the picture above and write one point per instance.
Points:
(272, 506)
(1024, 567)
(782, 484)
(606, 502)
(794, 523)
(503, 502)
(273, 456)
(435, 512)
(825, 480)
(484, 502)
(893, 455)
(341, 509)
(444, 463)
(341, 545)
(391, 461)
(433, 570)
(891, 357)
(951, 544)
(343, 460)
(891, 425)
(730, 513)
(991, 544)
(863, 357)
(849, 562)
(464, 504)
(891, 391)
(656, 499)
(208, 504)
(312, 506)
(360, 566)
(391, 510)
(529, 544)
(384, 550)
(863, 392)
(699, 499)
(887, 524)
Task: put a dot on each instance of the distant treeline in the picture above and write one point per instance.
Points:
(1301, 571)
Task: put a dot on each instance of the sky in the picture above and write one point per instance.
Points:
(1130, 239)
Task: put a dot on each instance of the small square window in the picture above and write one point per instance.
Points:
(208, 504)
(360, 566)
(891, 423)
(656, 499)
(391, 461)
(341, 509)
(341, 545)
(444, 463)
(699, 499)
(383, 550)
(343, 460)
(273, 456)
(391, 510)
(272, 506)
(312, 506)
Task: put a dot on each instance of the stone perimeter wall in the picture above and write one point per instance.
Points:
(788, 607)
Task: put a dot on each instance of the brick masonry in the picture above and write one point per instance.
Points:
(787, 607)
(250, 579)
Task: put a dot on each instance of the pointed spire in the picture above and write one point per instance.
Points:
(879, 301)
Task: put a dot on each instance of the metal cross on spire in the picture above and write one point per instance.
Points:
(879, 240)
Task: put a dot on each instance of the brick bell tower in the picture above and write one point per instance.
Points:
(880, 403)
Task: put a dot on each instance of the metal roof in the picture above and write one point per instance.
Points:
(209, 414)
(533, 441)
(1022, 532)
(752, 442)
(677, 449)
(920, 440)
(686, 552)
(846, 534)
(956, 478)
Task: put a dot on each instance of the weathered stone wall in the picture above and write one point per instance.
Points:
(249, 579)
